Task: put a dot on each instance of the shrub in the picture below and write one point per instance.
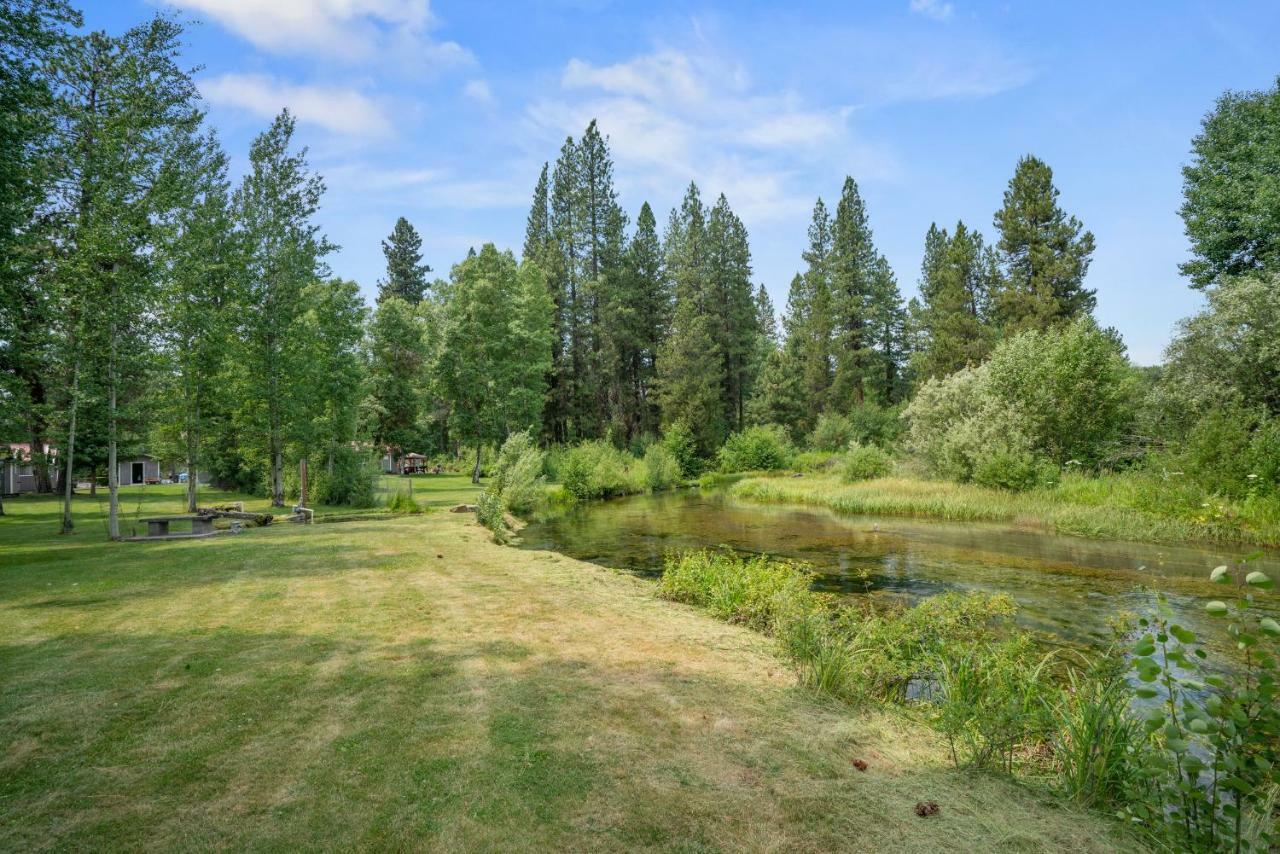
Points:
(862, 462)
(762, 448)
(873, 424)
(758, 592)
(832, 432)
(680, 442)
(492, 513)
(1235, 452)
(517, 474)
(1097, 741)
(597, 469)
(815, 461)
(661, 468)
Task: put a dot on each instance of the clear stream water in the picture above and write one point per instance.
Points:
(1068, 587)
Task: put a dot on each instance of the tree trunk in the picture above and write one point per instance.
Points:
(113, 470)
(192, 470)
(475, 473)
(68, 484)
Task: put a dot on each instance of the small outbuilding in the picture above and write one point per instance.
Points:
(140, 468)
(18, 468)
(413, 464)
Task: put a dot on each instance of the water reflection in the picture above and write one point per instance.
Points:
(1067, 586)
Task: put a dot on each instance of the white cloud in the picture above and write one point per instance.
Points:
(340, 110)
(936, 9)
(673, 116)
(343, 29)
(478, 90)
(663, 75)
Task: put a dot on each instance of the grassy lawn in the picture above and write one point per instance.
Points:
(1110, 507)
(407, 684)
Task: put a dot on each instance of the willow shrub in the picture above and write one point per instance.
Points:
(758, 592)
(765, 447)
(863, 462)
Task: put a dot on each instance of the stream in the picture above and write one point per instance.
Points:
(1066, 587)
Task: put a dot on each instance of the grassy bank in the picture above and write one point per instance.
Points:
(1102, 508)
(406, 684)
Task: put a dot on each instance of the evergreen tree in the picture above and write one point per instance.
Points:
(886, 328)
(854, 274)
(406, 274)
(562, 267)
(638, 312)
(728, 283)
(496, 349)
(398, 351)
(283, 252)
(957, 279)
(537, 230)
(1044, 254)
(809, 324)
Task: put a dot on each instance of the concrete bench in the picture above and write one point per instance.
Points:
(158, 526)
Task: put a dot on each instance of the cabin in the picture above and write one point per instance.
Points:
(18, 469)
(140, 468)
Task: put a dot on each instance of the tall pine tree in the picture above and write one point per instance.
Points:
(957, 279)
(1044, 254)
(856, 285)
(406, 274)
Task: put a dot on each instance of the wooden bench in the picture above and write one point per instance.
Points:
(158, 526)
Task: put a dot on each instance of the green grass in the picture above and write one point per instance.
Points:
(407, 684)
(1113, 507)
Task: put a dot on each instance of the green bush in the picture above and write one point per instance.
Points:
(680, 442)
(873, 424)
(662, 469)
(863, 462)
(762, 448)
(1235, 452)
(491, 512)
(832, 432)
(517, 474)
(815, 461)
(597, 469)
(352, 481)
(758, 592)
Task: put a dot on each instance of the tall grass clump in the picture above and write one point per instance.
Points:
(517, 475)
(1096, 739)
(662, 469)
(403, 502)
(757, 592)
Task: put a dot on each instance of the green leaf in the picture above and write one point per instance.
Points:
(1177, 745)
(1220, 575)
(1259, 580)
(1146, 693)
(1183, 635)
(1216, 608)
(1269, 627)
(1198, 725)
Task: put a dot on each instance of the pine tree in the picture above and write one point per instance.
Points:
(537, 230)
(562, 267)
(398, 352)
(637, 312)
(957, 280)
(1044, 254)
(406, 274)
(728, 283)
(809, 322)
(855, 270)
(886, 329)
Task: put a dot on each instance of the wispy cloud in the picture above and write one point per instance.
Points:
(337, 109)
(478, 90)
(936, 9)
(347, 30)
(673, 116)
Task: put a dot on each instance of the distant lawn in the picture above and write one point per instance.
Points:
(405, 684)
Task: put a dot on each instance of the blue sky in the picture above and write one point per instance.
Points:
(444, 112)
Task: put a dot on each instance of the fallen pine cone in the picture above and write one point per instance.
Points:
(924, 809)
(860, 765)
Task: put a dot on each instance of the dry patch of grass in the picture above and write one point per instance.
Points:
(341, 686)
